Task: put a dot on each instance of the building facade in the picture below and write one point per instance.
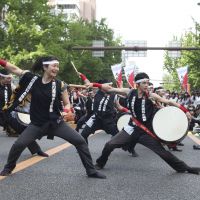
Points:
(88, 9)
(85, 9)
(69, 8)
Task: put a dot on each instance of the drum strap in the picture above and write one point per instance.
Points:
(53, 96)
(139, 124)
(131, 103)
(6, 95)
(17, 100)
(92, 106)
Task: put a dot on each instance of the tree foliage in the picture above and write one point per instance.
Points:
(30, 29)
(190, 58)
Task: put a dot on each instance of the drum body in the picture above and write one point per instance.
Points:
(170, 124)
(16, 123)
(122, 120)
(23, 118)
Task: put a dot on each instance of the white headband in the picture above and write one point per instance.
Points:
(160, 90)
(50, 62)
(5, 76)
(142, 80)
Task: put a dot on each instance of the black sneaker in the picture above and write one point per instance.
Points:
(134, 154)
(196, 147)
(193, 170)
(98, 166)
(97, 175)
(6, 172)
(176, 149)
(41, 153)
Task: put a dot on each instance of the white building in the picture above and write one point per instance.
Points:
(85, 9)
(70, 8)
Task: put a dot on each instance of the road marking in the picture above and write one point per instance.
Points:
(35, 159)
(194, 138)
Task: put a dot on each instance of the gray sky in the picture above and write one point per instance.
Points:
(156, 21)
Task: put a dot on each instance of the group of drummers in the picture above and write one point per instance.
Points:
(42, 106)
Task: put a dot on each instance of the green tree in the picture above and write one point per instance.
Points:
(190, 58)
(169, 83)
(171, 80)
(82, 33)
(31, 30)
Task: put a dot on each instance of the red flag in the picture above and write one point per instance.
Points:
(117, 72)
(185, 82)
(131, 79)
(129, 74)
(119, 80)
(183, 77)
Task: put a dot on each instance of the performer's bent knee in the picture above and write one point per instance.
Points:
(109, 145)
(19, 145)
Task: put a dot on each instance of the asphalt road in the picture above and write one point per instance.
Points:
(62, 176)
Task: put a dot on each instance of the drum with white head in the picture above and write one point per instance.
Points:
(23, 118)
(170, 124)
(16, 123)
(123, 120)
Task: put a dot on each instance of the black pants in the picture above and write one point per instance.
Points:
(107, 124)
(19, 128)
(82, 121)
(78, 115)
(32, 132)
(1, 119)
(122, 138)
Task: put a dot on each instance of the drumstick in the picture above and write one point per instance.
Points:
(83, 86)
(74, 68)
(110, 83)
(78, 86)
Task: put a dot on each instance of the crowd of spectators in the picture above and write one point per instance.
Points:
(185, 98)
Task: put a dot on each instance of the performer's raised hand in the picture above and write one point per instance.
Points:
(11, 67)
(89, 85)
(83, 77)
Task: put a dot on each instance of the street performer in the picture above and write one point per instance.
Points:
(47, 93)
(140, 128)
(104, 111)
